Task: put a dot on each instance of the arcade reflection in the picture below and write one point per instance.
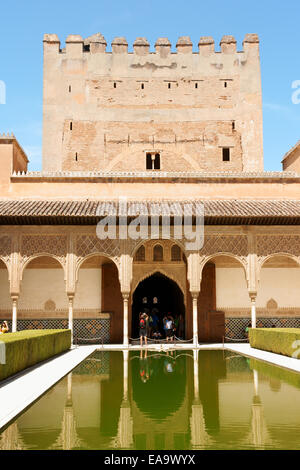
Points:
(164, 400)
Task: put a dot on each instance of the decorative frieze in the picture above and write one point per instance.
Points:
(272, 244)
(91, 244)
(55, 245)
(5, 248)
(231, 244)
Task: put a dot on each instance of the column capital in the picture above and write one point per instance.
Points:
(195, 294)
(125, 295)
(252, 295)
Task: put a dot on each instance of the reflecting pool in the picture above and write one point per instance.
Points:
(164, 400)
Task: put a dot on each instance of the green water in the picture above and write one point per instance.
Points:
(179, 400)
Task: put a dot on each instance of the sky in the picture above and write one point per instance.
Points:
(23, 24)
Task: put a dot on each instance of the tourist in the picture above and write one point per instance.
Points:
(144, 367)
(169, 328)
(165, 318)
(157, 335)
(4, 327)
(247, 330)
(169, 363)
(143, 328)
(154, 320)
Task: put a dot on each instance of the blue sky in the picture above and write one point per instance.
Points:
(23, 23)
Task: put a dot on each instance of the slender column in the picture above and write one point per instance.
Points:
(14, 312)
(253, 309)
(196, 375)
(255, 382)
(195, 318)
(70, 319)
(125, 375)
(125, 318)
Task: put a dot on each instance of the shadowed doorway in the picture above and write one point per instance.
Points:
(160, 293)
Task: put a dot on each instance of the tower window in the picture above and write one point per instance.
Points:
(169, 85)
(70, 88)
(71, 125)
(76, 157)
(175, 253)
(142, 86)
(115, 85)
(226, 154)
(225, 84)
(158, 253)
(140, 254)
(196, 85)
(152, 161)
(233, 125)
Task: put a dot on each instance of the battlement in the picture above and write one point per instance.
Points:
(76, 46)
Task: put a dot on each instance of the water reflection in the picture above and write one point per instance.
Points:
(162, 400)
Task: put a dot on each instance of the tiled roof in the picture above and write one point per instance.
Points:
(216, 212)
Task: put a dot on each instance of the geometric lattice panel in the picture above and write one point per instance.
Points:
(236, 244)
(96, 364)
(42, 324)
(86, 330)
(88, 244)
(91, 331)
(268, 244)
(235, 327)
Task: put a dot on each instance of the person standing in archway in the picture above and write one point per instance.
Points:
(143, 328)
(169, 328)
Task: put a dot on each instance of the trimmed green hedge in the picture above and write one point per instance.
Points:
(26, 348)
(276, 340)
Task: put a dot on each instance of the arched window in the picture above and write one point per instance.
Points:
(140, 254)
(175, 253)
(152, 161)
(158, 253)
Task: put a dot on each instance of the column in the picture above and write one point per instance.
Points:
(125, 375)
(70, 318)
(70, 273)
(195, 318)
(194, 272)
(14, 312)
(125, 318)
(15, 275)
(253, 309)
(196, 375)
(125, 277)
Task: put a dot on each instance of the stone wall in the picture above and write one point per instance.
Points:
(106, 110)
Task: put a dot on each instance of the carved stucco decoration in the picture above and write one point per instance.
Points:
(268, 245)
(54, 245)
(90, 244)
(234, 245)
(5, 248)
